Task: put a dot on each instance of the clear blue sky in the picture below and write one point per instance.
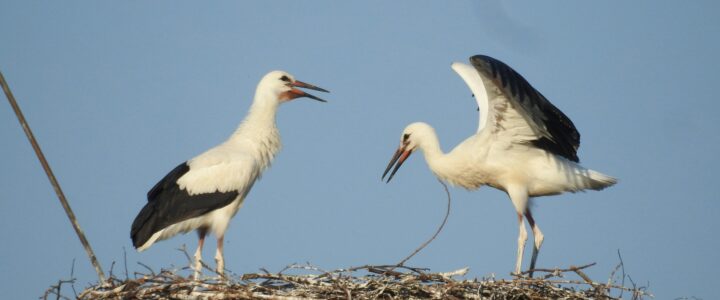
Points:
(118, 93)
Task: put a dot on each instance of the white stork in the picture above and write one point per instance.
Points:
(524, 146)
(205, 192)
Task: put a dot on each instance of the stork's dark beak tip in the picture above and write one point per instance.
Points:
(301, 84)
(304, 85)
(316, 98)
(321, 89)
(397, 160)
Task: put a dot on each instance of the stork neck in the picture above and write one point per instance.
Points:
(263, 109)
(258, 134)
(260, 119)
(430, 147)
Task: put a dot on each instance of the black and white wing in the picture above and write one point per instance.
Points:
(512, 108)
(194, 188)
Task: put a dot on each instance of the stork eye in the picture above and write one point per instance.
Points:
(406, 136)
(285, 78)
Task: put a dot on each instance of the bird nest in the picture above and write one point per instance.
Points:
(366, 282)
(397, 281)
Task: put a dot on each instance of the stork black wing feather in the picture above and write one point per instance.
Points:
(558, 133)
(169, 204)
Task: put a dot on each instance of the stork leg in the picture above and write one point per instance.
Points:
(219, 258)
(522, 238)
(198, 253)
(537, 238)
(519, 197)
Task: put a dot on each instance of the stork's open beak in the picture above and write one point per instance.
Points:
(295, 93)
(401, 154)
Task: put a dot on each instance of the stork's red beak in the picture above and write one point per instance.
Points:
(401, 154)
(295, 93)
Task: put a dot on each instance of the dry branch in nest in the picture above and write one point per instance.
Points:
(365, 282)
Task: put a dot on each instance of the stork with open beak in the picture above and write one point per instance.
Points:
(205, 192)
(524, 146)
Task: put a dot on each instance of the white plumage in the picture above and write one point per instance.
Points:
(205, 192)
(524, 146)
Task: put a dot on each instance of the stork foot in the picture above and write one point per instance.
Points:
(220, 262)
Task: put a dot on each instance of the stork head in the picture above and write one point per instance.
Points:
(412, 137)
(283, 87)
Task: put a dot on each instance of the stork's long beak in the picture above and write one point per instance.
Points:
(401, 154)
(298, 93)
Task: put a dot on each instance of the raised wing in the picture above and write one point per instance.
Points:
(516, 110)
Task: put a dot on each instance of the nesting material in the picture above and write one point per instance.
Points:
(366, 282)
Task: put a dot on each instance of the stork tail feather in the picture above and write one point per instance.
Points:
(599, 181)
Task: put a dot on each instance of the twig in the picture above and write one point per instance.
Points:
(146, 267)
(56, 289)
(112, 268)
(125, 262)
(611, 279)
(582, 274)
(571, 268)
(53, 180)
(447, 213)
(183, 249)
(622, 266)
(72, 276)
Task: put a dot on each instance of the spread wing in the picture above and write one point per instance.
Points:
(511, 108)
